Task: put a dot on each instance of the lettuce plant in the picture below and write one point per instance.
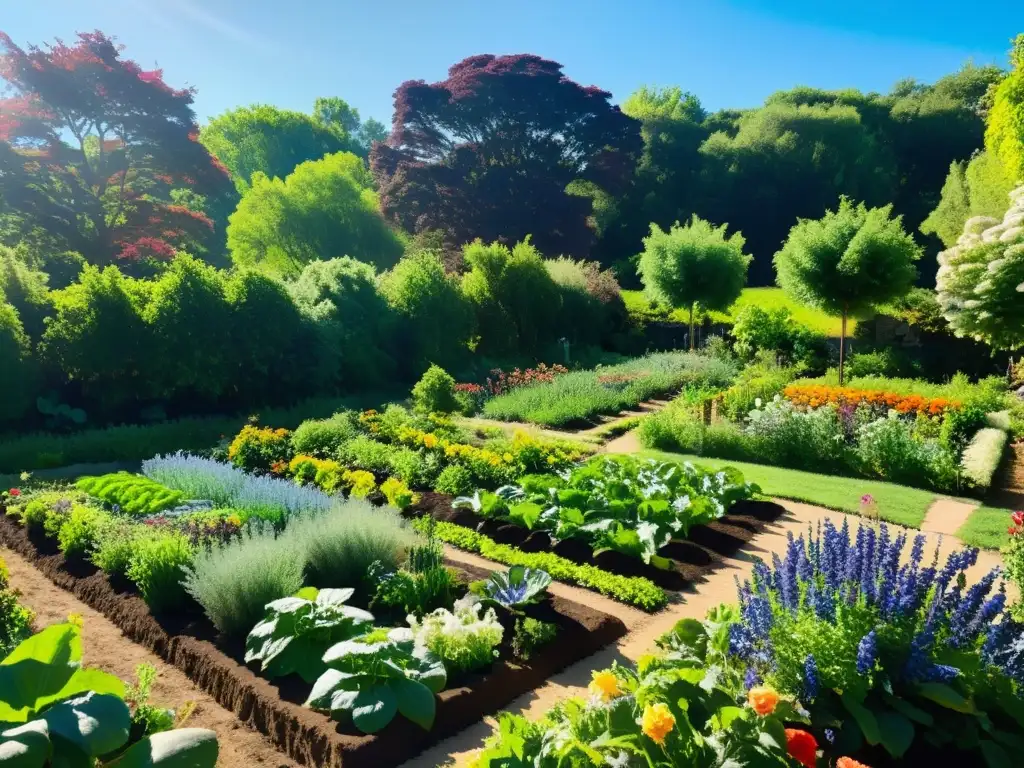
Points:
(463, 638)
(298, 630)
(519, 586)
(369, 683)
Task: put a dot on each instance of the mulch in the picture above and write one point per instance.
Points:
(190, 643)
(706, 548)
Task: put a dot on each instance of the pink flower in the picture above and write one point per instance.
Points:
(14, 492)
(867, 498)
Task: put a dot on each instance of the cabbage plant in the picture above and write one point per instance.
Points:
(517, 587)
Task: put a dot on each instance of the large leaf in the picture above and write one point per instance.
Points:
(907, 709)
(896, 731)
(415, 701)
(518, 586)
(995, 756)
(374, 708)
(945, 696)
(864, 718)
(38, 667)
(181, 748)
(27, 746)
(94, 723)
(525, 514)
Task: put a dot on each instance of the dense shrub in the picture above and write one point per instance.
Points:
(15, 619)
(323, 438)
(114, 546)
(436, 320)
(17, 368)
(25, 289)
(156, 567)
(352, 321)
(889, 449)
(260, 449)
(591, 304)
(435, 392)
(761, 380)
(79, 533)
(515, 300)
(775, 331)
(131, 493)
(454, 480)
(982, 456)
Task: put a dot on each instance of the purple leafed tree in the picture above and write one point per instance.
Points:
(490, 151)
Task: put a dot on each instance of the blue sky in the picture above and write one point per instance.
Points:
(731, 54)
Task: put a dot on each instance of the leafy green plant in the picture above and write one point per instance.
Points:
(422, 585)
(435, 392)
(114, 546)
(260, 449)
(324, 437)
(397, 493)
(157, 568)
(517, 587)
(370, 682)
(464, 638)
(529, 634)
(621, 504)
(54, 711)
(78, 534)
(454, 480)
(146, 717)
(631, 590)
(134, 494)
(15, 619)
(298, 630)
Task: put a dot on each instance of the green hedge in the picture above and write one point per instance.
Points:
(633, 590)
(982, 456)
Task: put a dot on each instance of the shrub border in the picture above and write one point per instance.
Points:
(983, 455)
(632, 590)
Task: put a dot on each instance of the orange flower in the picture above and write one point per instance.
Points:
(606, 685)
(849, 762)
(762, 700)
(658, 722)
(802, 747)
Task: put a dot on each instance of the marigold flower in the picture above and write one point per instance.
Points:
(762, 700)
(802, 747)
(605, 685)
(429, 441)
(849, 762)
(658, 722)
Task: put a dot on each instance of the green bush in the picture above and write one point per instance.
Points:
(414, 468)
(455, 480)
(959, 426)
(15, 619)
(234, 581)
(366, 453)
(435, 392)
(632, 590)
(17, 368)
(889, 449)
(134, 494)
(776, 332)
(530, 634)
(324, 438)
(339, 547)
(79, 532)
(982, 456)
(259, 449)
(115, 544)
(761, 380)
(157, 569)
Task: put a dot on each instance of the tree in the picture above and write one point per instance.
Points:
(489, 152)
(131, 139)
(694, 264)
(272, 141)
(980, 285)
(1004, 136)
(847, 262)
(334, 111)
(324, 209)
(17, 369)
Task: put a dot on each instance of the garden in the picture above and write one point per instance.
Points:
(551, 419)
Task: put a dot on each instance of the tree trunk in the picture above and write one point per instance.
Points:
(691, 327)
(842, 346)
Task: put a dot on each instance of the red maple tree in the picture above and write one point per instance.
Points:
(91, 146)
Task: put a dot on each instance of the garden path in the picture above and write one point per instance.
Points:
(644, 629)
(1009, 486)
(947, 515)
(627, 443)
(105, 646)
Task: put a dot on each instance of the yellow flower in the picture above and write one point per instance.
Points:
(429, 441)
(763, 700)
(605, 685)
(552, 459)
(658, 722)
(76, 619)
(507, 457)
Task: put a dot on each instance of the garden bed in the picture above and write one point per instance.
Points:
(704, 550)
(188, 642)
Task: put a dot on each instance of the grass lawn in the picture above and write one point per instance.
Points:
(985, 528)
(768, 298)
(896, 503)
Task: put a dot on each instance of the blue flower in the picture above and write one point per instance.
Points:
(810, 678)
(867, 653)
(751, 678)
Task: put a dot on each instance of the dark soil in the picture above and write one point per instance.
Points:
(189, 643)
(703, 550)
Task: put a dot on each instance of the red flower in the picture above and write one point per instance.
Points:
(802, 747)
(1013, 530)
(1018, 518)
(14, 492)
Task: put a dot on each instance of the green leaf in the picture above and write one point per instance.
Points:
(995, 756)
(180, 748)
(726, 715)
(27, 746)
(864, 719)
(527, 513)
(415, 701)
(945, 696)
(94, 724)
(39, 666)
(307, 593)
(334, 597)
(897, 732)
(904, 707)
(374, 708)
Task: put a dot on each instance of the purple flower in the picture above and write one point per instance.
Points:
(751, 678)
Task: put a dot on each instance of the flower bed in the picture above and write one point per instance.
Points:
(189, 641)
(813, 396)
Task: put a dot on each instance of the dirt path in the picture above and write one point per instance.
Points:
(1008, 490)
(946, 516)
(627, 443)
(104, 646)
(644, 629)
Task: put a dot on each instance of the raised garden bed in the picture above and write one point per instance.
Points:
(189, 642)
(705, 549)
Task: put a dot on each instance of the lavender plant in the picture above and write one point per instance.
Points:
(885, 649)
(266, 497)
